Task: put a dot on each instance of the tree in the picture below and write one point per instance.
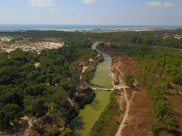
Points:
(33, 75)
(177, 91)
(129, 79)
(76, 79)
(116, 82)
(155, 129)
(101, 44)
(8, 113)
(60, 99)
(162, 108)
(29, 111)
(12, 95)
(29, 91)
(39, 106)
(168, 121)
(67, 73)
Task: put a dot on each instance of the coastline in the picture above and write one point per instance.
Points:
(119, 29)
(99, 30)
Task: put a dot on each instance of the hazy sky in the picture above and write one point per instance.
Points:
(98, 12)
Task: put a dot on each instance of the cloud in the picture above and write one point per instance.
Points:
(88, 1)
(154, 4)
(41, 3)
(112, 0)
(2, 12)
(7, 8)
(55, 10)
(168, 4)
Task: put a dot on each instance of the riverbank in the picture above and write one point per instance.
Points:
(136, 107)
(108, 120)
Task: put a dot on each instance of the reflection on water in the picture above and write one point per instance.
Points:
(82, 124)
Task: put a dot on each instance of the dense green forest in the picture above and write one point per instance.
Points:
(34, 91)
(163, 38)
(157, 68)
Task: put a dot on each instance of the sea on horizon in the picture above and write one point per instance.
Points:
(13, 27)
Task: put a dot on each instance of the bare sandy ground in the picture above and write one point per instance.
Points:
(120, 76)
(25, 45)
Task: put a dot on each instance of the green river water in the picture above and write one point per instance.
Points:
(82, 124)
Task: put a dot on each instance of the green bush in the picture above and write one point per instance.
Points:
(177, 91)
(129, 79)
(125, 58)
(116, 82)
(156, 128)
(180, 101)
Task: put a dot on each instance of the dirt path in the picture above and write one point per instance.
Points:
(128, 101)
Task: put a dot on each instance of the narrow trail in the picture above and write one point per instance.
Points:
(116, 65)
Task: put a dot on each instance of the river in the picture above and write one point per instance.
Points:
(82, 124)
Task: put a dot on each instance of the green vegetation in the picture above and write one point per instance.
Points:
(107, 121)
(152, 62)
(34, 91)
(101, 44)
(157, 38)
(177, 91)
(89, 72)
(180, 101)
(125, 58)
(25, 89)
(116, 82)
(129, 79)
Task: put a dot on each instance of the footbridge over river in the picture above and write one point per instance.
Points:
(104, 89)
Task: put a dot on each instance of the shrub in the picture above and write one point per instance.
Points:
(181, 101)
(155, 129)
(129, 79)
(116, 82)
(177, 91)
(125, 58)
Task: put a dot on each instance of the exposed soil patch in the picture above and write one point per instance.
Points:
(29, 44)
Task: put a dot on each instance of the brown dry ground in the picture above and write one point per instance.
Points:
(140, 116)
(140, 113)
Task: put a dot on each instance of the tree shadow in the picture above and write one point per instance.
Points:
(97, 86)
(95, 104)
(76, 124)
(175, 132)
(136, 88)
(168, 93)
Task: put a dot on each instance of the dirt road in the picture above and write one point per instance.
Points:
(120, 77)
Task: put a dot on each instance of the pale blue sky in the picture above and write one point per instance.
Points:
(93, 12)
